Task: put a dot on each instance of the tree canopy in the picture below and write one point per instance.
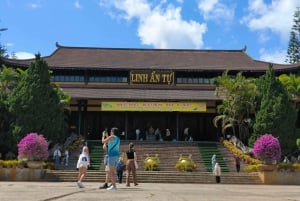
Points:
(293, 52)
(277, 113)
(36, 104)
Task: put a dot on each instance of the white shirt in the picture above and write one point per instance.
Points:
(83, 160)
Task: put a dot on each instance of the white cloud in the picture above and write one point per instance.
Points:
(160, 26)
(36, 4)
(77, 4)
(277, 56)
(215, 10)
(277, 16)
(24, 55)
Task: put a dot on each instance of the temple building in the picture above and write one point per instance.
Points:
(146, 88)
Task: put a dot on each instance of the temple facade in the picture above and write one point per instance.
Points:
(148, 89)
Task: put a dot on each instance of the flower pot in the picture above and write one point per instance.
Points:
(35, 164)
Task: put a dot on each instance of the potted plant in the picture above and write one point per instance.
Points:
(267, 149)
(32, 148)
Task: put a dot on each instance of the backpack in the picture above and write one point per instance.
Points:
(120, 165)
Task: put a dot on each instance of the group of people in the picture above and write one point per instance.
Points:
(114, 165)
(60, 158)
(154, 134)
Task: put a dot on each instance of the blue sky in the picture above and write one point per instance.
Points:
(34, 26)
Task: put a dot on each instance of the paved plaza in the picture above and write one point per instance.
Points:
(63, 191)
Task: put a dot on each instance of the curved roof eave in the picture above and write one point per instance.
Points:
(162, 59)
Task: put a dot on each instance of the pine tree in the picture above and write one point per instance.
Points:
(293, 52)
(3, 51)
(277, 114)
(36, 104)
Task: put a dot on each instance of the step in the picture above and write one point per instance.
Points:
(158, 177)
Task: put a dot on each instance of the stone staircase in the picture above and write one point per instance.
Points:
(158, 177)
(168, 153)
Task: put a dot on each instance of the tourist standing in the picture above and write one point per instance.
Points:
(217, 172)
(113, 154)
(157, 135)
(120, 170)
(168, 136)
(137, 134)
(213, 161)
(130, 165)
(82, 165)
(237, 163)
(106, 168)
(66, 157)
(56, 157)
(186, 134)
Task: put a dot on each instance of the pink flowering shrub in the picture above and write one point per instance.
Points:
(267, 148)
(33, 147)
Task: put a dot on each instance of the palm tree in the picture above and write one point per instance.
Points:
(238, 104)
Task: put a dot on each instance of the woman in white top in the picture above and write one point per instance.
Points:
(217, 172)
(82, 165)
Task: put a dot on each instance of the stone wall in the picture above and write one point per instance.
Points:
(280, 178)
(21, 174)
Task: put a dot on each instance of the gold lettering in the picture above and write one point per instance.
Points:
(154, 77)
(139, 78)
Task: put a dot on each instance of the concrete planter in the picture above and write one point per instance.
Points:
(35, 164)
(21, 174)
(280, 178)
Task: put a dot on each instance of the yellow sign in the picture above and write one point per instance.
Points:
(152, 77)
(154, 106)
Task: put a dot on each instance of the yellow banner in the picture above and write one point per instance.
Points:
(154, 106)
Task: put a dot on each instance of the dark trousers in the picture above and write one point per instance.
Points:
(238, 167)
(120, 176)
(218, 179)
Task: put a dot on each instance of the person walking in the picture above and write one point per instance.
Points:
(130, 165)
(217, 172)
(113, 155)
(82, 165)
(120, 170)
(237, 163)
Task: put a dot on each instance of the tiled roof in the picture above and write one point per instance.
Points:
(141, 94)
(172, 59)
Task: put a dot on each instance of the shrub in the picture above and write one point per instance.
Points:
(33, 147)
(267, 148)
(251, 168)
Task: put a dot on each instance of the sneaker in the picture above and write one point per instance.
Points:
(80, 185)
(112, 188)
(104, 186)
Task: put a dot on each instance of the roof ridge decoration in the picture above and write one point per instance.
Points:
(153, 49)
(57, 44)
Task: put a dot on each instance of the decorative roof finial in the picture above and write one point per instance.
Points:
(57, 45)
(245, 48)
